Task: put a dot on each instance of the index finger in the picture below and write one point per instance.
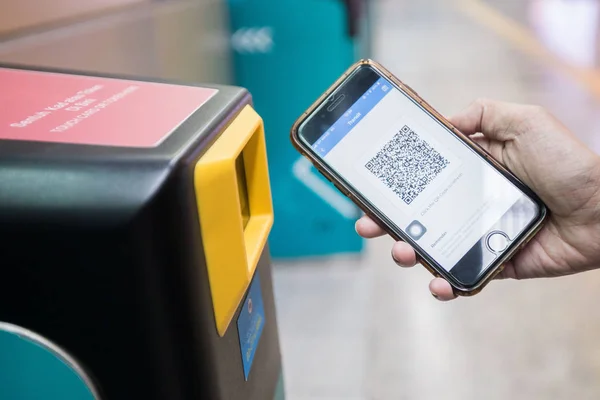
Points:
(368, 228)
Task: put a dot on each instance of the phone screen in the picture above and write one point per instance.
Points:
(448, 200)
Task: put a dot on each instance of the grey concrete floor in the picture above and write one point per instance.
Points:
(362, 328)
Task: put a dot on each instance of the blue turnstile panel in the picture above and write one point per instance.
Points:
(287, 53)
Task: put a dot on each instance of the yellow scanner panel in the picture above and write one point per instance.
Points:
(235, 223)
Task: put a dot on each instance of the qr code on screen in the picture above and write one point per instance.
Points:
(407, 164)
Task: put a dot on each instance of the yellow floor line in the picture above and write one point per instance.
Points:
(522, 38)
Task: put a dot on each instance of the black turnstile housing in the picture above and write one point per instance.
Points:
(102, 253)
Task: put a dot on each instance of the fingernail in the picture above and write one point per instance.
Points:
(435, 295)
(398, 263)
(357, 224)
(394, 258)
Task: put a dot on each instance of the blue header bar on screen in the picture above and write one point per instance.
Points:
(352, 117)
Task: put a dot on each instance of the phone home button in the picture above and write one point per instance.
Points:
(497, 241)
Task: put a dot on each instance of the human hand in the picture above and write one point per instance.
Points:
(559, 168)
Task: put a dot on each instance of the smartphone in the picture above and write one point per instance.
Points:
(418, 177)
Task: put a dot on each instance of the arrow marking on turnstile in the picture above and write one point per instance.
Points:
(302, 171)
(253, 40)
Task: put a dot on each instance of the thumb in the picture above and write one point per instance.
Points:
(496, 120)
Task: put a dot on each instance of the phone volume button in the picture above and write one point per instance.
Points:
(341, 189)
(412, 90)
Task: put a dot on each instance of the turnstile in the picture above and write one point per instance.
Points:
(134, 217)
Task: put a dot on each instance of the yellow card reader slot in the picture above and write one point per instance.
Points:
(233, 195)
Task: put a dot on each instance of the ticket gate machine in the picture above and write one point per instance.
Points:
(134, 218)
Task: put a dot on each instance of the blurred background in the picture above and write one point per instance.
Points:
(352, 325)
